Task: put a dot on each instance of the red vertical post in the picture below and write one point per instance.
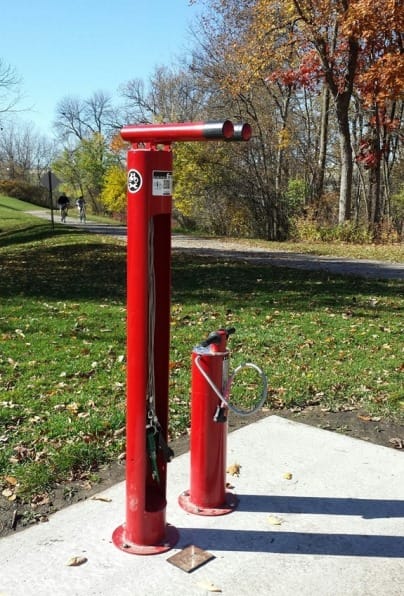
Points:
(148, 329)
(207, 494)
(148, 297)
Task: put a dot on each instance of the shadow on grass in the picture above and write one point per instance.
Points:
(87, 267)
(200, 279)
(32, 233)
(77, 270)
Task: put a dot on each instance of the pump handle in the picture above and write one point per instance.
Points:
(215, 337)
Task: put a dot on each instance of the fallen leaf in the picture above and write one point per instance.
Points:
(208, 586)
(7, 492)
(76, 561)
(119, 431)
(40, 499)
(397, 442)
(11, 480)
(274, 521)
(287, 476)
(73, 407)
(234, 469)
(367, 418)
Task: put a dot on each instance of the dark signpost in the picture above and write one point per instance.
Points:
(50, 181)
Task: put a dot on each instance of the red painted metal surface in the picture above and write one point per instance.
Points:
(207, 494)
(145, 530)
(181, 131)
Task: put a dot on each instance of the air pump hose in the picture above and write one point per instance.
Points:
(224, 398)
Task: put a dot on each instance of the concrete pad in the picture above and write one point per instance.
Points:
(335, 527)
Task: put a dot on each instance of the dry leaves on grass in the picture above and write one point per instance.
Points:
(10, 488)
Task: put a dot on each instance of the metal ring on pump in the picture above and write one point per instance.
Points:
(225, 398)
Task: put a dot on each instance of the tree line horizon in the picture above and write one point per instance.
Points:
(320, 82)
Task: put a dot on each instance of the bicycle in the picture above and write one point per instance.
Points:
(81, 208)
(82, 213)
(63, 213)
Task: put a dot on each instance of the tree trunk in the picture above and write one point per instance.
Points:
(345, 194)
(283, 104)
(342, 100)
(375, 199)
(376, 179)
(318, 182)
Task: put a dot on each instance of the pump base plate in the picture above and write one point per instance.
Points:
(171, 538)
(229, 505)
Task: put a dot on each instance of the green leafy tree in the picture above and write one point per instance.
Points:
(83, 169)
(113, 195)
(209, 189)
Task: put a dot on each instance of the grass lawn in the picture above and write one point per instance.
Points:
(320, 338)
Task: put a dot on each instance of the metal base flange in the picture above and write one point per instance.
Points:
(170, 540)
(229, 505)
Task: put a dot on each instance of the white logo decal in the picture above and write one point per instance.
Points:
(134, 181)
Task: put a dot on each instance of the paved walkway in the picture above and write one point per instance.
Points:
(319, 514)
(256, 255)
(277, 258)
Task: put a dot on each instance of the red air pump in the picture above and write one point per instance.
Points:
(208, 495)
(210, 405)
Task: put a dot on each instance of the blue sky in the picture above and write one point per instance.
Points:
(73, 48)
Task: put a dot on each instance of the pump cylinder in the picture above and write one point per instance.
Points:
(208, 443)
(208, 438)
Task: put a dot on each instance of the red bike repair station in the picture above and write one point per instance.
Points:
(149, 207)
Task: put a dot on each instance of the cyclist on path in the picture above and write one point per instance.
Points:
(63, 203)
(81, 206)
